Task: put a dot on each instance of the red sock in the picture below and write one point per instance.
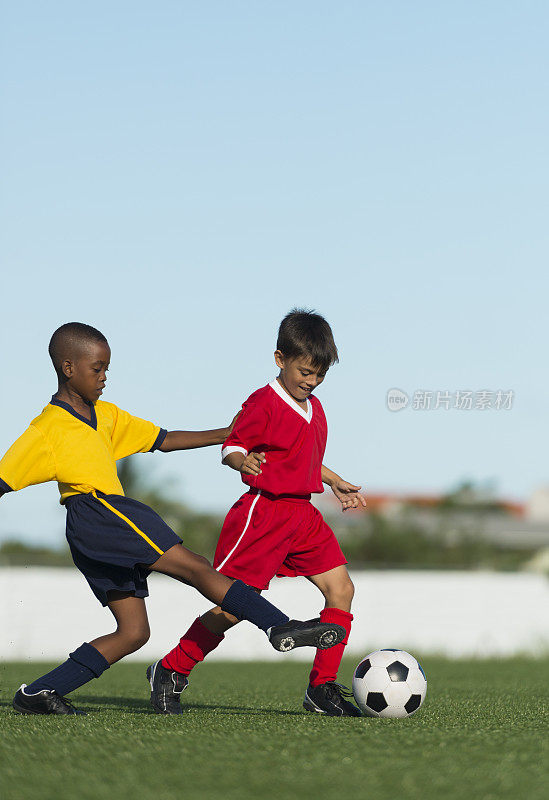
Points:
(326, 663)
(193, 647)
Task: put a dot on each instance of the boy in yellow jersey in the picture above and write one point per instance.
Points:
(116, 541)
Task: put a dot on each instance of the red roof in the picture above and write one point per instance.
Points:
(380, 502)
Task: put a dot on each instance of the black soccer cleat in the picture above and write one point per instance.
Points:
(329, 699)
(311, 633)
(166, 688)
(45, 702)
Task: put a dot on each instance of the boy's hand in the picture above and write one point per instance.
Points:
(229, 428)
(251, 465)
(348, 494)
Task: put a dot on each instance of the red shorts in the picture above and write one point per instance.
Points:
(264, 536)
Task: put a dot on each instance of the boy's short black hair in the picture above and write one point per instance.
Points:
(69, 339)
(304, 333)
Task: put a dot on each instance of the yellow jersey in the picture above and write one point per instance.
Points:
(78, 453)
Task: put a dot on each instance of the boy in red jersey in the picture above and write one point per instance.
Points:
(277, 445)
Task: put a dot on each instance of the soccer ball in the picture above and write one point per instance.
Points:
(389, 683)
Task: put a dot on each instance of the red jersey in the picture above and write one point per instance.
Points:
(292, 439)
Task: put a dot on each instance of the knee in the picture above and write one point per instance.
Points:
(135, 638)
(341, 595)
(347, 591)
(350, 589)
(141, 638)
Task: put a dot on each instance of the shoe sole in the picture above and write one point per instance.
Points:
(320, 636)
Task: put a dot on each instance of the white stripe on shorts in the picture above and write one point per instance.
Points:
(258, 495)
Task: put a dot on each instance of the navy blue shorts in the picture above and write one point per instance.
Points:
(112, 540)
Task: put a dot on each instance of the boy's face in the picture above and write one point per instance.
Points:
(298, 375)
(87, 372)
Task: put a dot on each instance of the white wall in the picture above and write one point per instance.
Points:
(45, 613)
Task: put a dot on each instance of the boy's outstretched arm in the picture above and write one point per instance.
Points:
(187, 440)
(347, 493)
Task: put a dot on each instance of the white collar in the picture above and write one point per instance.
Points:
(307, 415)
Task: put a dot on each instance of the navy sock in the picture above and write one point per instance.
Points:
(81, 666)
(244, 602)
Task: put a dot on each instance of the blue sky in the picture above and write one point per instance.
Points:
(182, 174)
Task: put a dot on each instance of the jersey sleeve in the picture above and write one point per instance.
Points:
(248, 431)
(134, 435)
(28, 461)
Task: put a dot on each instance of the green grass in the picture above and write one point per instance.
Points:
(482, 733)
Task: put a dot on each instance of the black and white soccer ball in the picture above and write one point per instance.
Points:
(389, 683)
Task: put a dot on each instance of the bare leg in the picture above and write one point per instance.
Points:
(189, 567)
(218, 621)
(132, 630)
(238, 599)
(336, 586)
(89, 660)
(323, 694)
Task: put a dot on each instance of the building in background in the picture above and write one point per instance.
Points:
(469, 527)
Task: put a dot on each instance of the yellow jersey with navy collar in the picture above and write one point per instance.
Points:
(78, 453)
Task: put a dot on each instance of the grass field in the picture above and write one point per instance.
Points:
(482, 733)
